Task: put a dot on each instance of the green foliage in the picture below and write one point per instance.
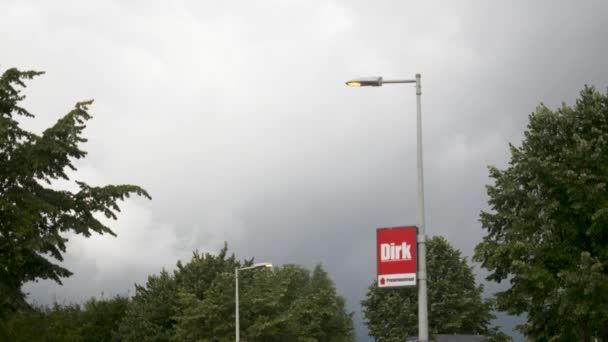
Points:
(61, 323)
(34, 217)
(196, 303)
(456, 306)
(18, 326)
(96, 320)
(101, 318)
(547, 233)
(149, 316)
(319, 314)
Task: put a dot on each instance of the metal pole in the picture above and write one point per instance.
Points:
(236, 304)
(423, 322)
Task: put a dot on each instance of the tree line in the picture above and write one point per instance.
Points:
(546, 235)
(196, 303)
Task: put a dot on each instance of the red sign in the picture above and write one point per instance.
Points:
(396, 255)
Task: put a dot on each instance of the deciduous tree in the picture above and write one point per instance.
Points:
(547, 230)
(34, 216)
(455, 302)
(196, 303)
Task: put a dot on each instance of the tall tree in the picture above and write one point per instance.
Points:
(456, 305)
(547, 232)
(34, 217)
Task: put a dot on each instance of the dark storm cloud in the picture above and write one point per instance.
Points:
(235, 117)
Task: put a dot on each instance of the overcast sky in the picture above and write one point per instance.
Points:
(235, 117)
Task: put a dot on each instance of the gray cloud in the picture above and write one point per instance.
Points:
(235, 117)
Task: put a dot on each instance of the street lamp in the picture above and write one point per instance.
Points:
(423, 323)
(236, 295)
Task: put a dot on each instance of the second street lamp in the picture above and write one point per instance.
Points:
(236, 294)
(423, 323)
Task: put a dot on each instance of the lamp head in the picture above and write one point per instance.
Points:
(365, 82)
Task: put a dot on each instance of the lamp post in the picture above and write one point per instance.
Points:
(236, 293)
(423, 323)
